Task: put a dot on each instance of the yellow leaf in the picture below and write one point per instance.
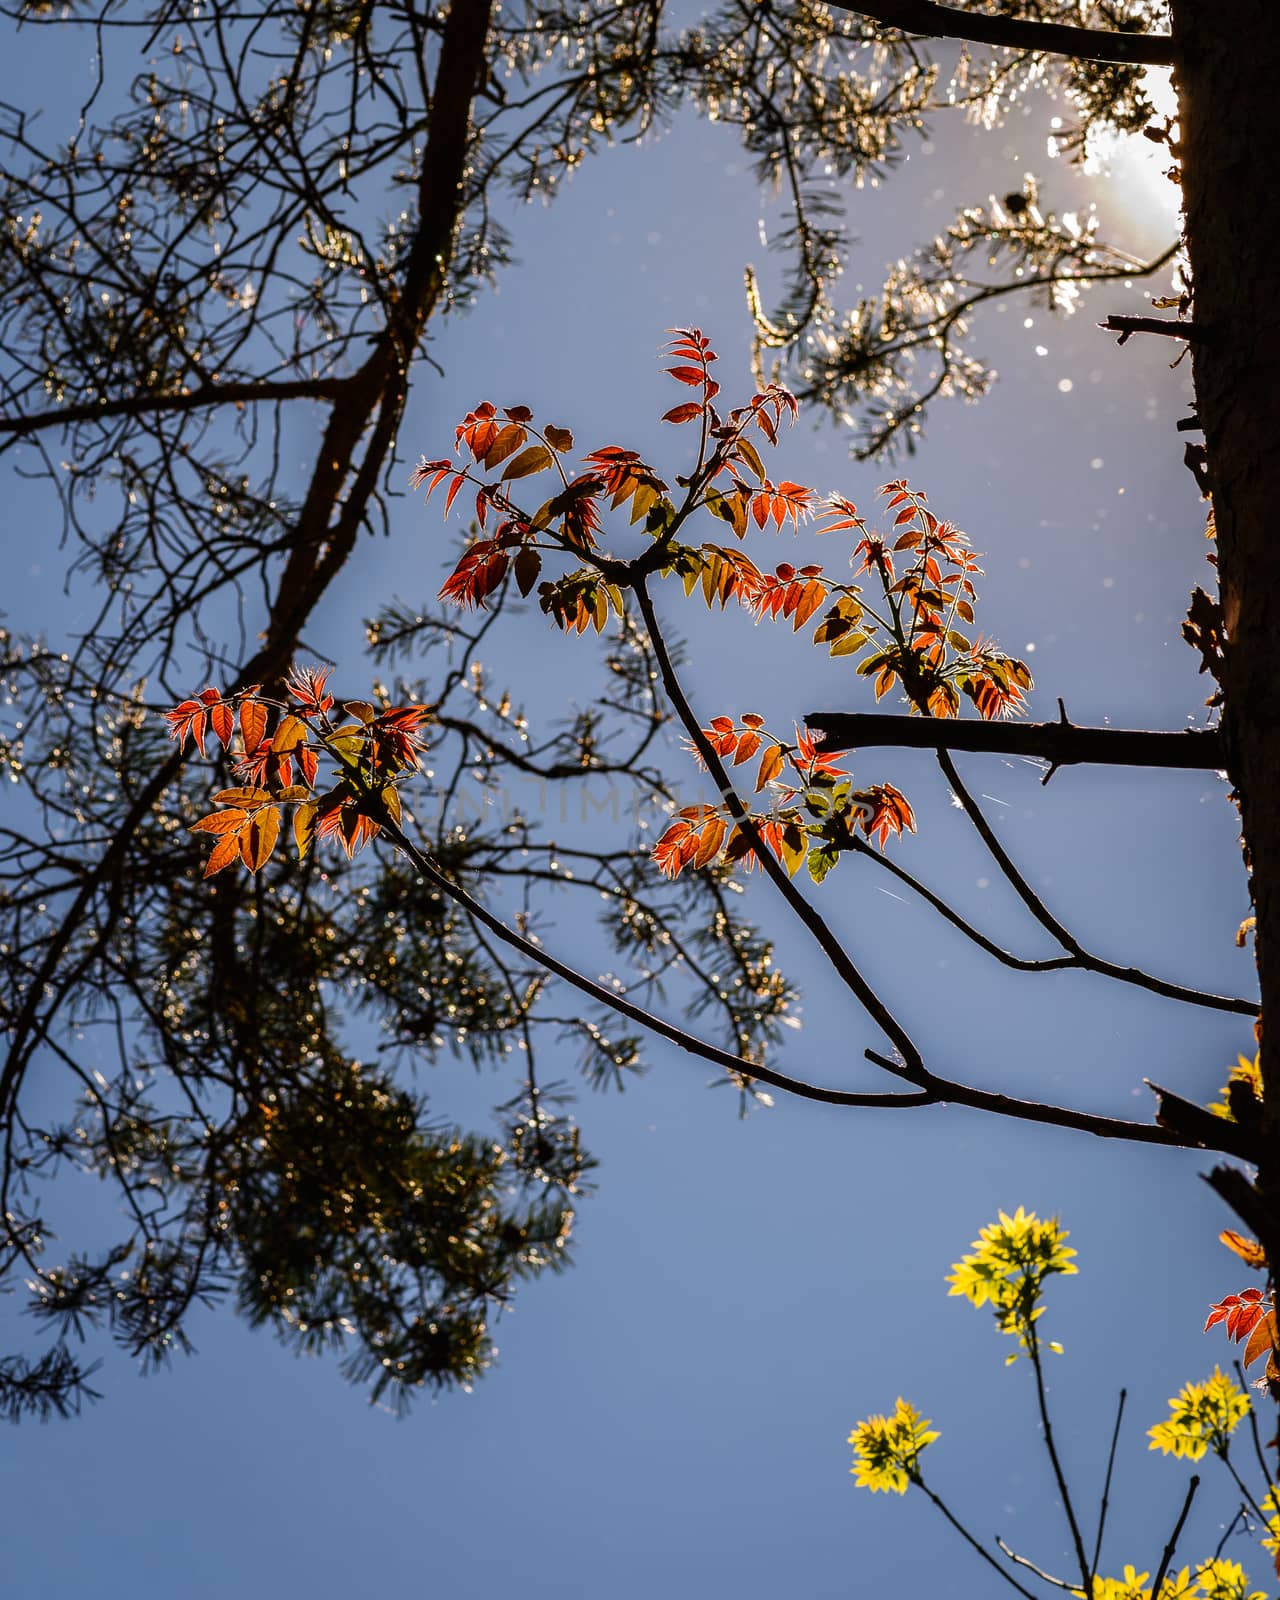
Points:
(304, 826)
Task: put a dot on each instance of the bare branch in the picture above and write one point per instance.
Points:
(251, 392)
(1171, 327)
(1061, 743)
(1167, 1555)
(1012, 33)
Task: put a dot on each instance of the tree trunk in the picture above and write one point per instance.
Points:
(1228, 69)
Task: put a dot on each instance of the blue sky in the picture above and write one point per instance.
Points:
(672, 1413)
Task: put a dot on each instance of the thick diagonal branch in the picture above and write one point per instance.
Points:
(1060, 743)
(1014, 33)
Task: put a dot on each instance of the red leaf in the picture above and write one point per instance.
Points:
(684, 413)
(187, 719)
(453, 492)
(690, 375)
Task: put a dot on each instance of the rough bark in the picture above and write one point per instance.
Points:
(1228, 67)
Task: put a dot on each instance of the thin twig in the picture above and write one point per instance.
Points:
(971, 1541)
(1106, 1489)
(1172, 1545)
(1033, 1349)
(1046, 1577)
(1253, 1427)
(1036, 906)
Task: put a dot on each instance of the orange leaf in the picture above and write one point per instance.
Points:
(253, 724)
(1263, 1338)
(291, 733)
(771, 764)
(223, 719)
(224, 853)
(1249, 1250)
(710, 842)
(219, 822)
(258, 840)
(748, 744)
(507, 443)
(251, 796)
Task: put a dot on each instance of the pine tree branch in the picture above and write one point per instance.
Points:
(249, 392)
(1014, 33)
(1063, 744)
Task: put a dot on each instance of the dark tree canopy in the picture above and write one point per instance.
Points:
(247, 238)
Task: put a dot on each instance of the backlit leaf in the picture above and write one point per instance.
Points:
(258, 838)
(684, 413)
(251, 796)
(771, 764)
(1261, 1340)
(219, 822)
(1249, 1250)
(253, 724)
(223, 719)
(535, 459)
(291, 733)
(304, 826)
(224, 853)
(507, 443)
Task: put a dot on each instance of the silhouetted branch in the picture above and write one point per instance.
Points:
(1012, 33)
(1167, 1555)
(1171, 327)
(1061, 743)
(251, 392)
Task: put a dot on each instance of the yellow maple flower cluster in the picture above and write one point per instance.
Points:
(1011, 1260)
(1202, 1417)
(1212, 1580)
(1246, 1070)
(887, 1449)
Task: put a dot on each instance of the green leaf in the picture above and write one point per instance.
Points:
(748, 452)
(821, 859)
